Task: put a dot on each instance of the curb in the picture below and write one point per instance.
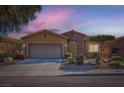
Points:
(94, 74)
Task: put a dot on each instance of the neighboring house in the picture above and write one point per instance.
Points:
(47, 44)
(6, 44)
(114, 47)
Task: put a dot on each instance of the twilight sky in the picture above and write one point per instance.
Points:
(90, 20)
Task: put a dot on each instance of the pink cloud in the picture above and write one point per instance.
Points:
(49, 20)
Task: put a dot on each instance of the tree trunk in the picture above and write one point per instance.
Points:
(101, 54)
(101, 44)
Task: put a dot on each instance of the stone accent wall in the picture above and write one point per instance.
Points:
(79, 40)
(72, 48)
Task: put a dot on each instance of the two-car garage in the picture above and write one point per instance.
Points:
(45, 50)
(45, 44)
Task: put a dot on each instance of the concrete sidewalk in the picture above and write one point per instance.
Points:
(61, 73)
(99, 72)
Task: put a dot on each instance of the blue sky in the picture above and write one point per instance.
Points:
(88, 19)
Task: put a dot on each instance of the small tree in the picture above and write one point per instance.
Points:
(20, 45)
(80, 59)
(17, 52)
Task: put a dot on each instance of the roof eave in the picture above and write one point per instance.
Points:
(42, 32)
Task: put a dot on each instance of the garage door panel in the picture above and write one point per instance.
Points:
(45, 50)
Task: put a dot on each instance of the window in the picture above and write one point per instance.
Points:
(93, 48)
(115, 49)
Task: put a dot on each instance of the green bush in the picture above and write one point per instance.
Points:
(8, 60)
(67, 55)
(70, 60)
(95, 54)
(116, 64)
(15, 55)
(116, 61)
(117, 58)
(80, 59)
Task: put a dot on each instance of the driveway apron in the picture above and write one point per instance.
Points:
(33, 67)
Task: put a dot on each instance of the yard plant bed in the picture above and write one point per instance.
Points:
(75, 68)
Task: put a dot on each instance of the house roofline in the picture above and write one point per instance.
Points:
(41, 31)
(120, 38)
(74, 32)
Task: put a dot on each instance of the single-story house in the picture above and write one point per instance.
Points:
(114, 47)
(47, 44)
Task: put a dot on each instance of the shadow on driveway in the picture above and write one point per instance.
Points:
(37, 61)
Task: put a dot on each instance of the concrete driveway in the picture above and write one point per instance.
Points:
(33, 67)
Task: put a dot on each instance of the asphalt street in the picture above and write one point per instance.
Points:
(63, 81)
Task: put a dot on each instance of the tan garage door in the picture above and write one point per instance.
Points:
(45, 50)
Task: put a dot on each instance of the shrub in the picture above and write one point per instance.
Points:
(80, 59)
(122, 64)
(71, 60)
(97, 56)
(117, 58)
(116, 61)
(116, 64)
(8, 60)
(14, 54)
(67, 55)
